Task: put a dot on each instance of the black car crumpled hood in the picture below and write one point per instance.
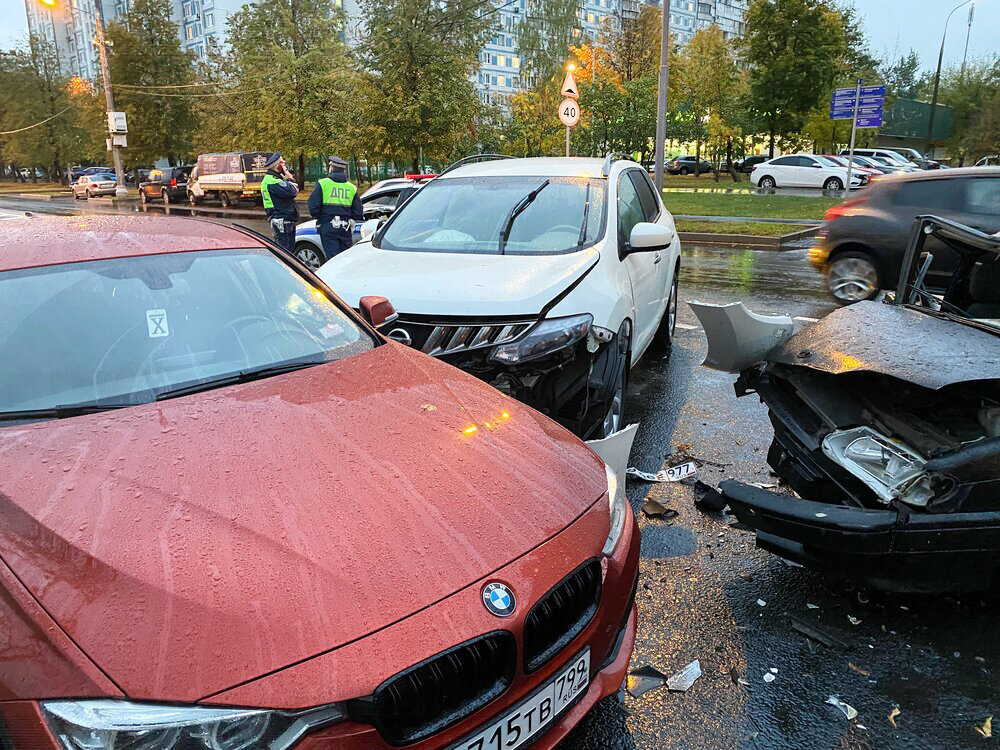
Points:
(894, 341)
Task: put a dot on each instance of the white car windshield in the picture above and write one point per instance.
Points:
(511, 215)
(130, 330)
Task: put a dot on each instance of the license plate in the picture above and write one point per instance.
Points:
(518, 727)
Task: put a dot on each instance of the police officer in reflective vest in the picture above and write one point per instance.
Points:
(333, 203)
(278, 190)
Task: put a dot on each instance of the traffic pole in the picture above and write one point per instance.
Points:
(120, 191)
(661, 92)
(567, 140)
(854, 132)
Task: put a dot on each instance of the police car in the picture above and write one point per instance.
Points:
(379, 201)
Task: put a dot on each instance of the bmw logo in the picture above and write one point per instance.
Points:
(499, 599)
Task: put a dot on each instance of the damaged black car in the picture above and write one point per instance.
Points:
(886, 419)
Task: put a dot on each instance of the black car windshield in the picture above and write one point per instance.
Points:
(124, 331)
(468, 214)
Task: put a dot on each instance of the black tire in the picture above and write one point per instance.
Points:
(852, 276)
(614, 419)
(832, 184)
(76, 196)
(664, 339)
(165, 195)
(192, 199)
(309, 255)
(224, 199)
(143, 198)
(684, 170)
(89, 196)
(767, 182)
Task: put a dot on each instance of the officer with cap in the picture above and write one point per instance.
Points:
(278, 190)
(333, 203)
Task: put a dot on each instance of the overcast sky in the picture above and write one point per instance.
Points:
(892, 26)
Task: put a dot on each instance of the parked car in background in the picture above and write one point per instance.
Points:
(842, 161)
(78, 171)
(861, 244)
(92, 185)
(228, 178)
(916, 157)
(379, 202)
(168, 184)
(881, 167)
(746, 166)
(27, 173)
(136, 343)
(989, 161)
(687, 165)
(546, 278)
(887, 155)
(803, 171)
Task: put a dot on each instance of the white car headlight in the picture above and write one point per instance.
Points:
(618, 510)
(123, 725)
(546, 337)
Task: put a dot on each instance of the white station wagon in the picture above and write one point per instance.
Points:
(548, 278)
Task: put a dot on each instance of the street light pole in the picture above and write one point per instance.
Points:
(937, 76)
(968, 33)
(120, 191)
(661, 93)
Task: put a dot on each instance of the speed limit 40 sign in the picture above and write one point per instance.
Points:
(569, 112)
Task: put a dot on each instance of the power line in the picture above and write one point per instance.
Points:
(29, 127)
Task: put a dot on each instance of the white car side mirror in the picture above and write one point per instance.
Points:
(647, 237)
(369, 228)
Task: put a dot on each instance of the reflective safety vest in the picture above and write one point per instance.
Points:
(337, 193)
(265, 194)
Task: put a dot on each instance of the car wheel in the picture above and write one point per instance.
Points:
(684, 170)
(89, 196)
(165, 195)
(832, 184)
(193, 199)
(668, 323)
(852, 277)
(224, 199)
(76, 195)
(767, 182)
(614, 418)
(309, 254)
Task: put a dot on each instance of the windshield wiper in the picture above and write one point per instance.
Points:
(516, 211)
(59, 412)
(586, 214)
(244, 376)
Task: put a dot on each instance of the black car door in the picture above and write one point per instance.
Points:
(938, 197)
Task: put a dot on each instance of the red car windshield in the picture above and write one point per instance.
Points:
(124, 331)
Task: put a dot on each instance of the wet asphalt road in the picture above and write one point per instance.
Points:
(932, 657)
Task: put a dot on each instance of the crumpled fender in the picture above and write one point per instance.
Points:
(737, 338)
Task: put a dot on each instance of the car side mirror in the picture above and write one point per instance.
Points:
(369, 228)
(649, 237)
(377, 311)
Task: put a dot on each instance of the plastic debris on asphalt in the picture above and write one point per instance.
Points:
(986, 730)
(811, 606)
(670, 474)
(769, 677)
(644, 679)
(761, 603)
(892, 716)
(855, 668)
(681, 681)
(816, 633)
(708, 498)
(854, 620)
(655, 509)
(849, 711)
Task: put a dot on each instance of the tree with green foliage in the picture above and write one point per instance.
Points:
(417, 64)
(59, 118)
(902, 75)
(983, 138)
(147, 55)
(791, 49)
(967, 89)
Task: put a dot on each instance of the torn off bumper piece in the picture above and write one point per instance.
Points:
(889, 549)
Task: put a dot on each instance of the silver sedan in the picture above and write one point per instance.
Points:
(96, 184)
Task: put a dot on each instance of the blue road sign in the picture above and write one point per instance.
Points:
(870, 122)
(870, 105)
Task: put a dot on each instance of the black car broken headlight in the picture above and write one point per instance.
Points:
(892, 470)
(123, 725)
(547, 337)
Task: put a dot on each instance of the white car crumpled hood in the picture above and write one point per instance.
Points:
(455, 283)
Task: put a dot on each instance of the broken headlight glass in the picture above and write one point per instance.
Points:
(892, 470)
(617, 506)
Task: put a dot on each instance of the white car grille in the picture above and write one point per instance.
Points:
(439, 339)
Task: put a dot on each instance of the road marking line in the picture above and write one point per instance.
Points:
(806, 319)
(686, 326)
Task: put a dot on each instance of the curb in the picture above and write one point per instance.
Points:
(743, 240)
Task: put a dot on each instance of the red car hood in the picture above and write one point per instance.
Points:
(196, 543)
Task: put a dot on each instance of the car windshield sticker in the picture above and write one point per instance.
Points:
(156, 322)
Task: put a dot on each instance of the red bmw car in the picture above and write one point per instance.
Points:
(233, 516)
